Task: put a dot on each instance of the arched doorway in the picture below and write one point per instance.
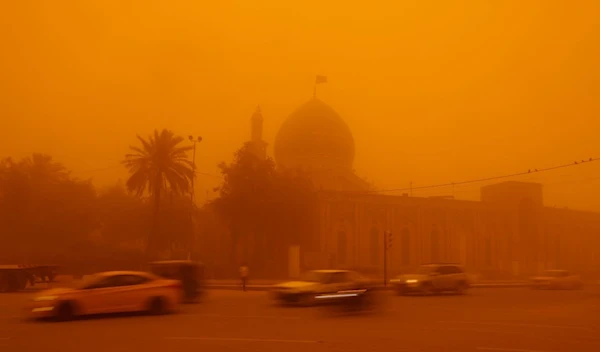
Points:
(527, 236)
(342, 247)
(435, 245)
(374, 246)
(405, 247)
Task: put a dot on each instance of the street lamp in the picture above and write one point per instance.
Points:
(193, 140)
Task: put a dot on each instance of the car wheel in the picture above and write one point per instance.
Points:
(157, 306)
(307, 300)
(65, 312)
(400, 291)
(427, 289)
(461, 288)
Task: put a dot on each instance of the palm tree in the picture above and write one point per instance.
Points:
(160, 164)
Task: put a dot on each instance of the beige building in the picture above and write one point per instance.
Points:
(508, 233)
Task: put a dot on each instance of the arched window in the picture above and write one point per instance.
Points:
(374, 245)
(342, 247)
(405, 244)
(435, 246)
(488, 251)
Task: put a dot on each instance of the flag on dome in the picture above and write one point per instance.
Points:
(321, 79)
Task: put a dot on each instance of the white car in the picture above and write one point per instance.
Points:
(432, 278)
(557, 279)
(314, 284)
(108, 292)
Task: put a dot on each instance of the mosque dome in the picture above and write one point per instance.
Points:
(314, 137)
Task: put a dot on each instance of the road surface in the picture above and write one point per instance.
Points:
(502, 320)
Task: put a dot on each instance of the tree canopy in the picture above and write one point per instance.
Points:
(42, 208)
(161, 165)
(264, 207)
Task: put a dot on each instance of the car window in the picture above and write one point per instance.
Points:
(454, 270)
(426, 270)
(130, 280)
(106, 282)
(339, 278)
(315, 276)
(354, 277)
(118, 280)
(444, 270)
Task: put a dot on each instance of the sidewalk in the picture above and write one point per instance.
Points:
(265, 285)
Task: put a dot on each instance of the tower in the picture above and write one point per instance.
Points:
(256, 128)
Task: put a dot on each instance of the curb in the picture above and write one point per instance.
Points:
(268, 287)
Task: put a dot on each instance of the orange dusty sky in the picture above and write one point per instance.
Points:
(434, 91)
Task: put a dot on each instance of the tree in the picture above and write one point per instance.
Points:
(269, 209)
(160, 164)
(42, 209)
(123, 216)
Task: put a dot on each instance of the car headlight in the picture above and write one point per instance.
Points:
(45, 298)
(395, 281)
(412, 281)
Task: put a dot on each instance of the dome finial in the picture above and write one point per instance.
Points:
(320, 79)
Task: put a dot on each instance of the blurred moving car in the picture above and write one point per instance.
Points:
(557, 279)
(108, 292)
(433, 278)
(316, 283)
(190, 273)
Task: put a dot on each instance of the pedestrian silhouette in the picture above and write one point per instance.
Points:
(244, 271)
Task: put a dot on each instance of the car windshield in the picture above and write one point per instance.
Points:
(87, 281)
(315, 276)
(554, 273)
(425, 270)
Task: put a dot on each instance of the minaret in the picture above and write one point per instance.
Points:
(260, 146)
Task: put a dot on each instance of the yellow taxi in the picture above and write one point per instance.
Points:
(108, 292)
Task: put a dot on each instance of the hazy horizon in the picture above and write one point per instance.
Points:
(514, 87)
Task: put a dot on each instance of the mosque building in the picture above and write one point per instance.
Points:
(508, 233)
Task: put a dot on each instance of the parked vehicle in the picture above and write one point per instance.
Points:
(433, 278)
(16, 277)
(190, 273)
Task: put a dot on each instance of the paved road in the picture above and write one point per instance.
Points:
(509, 320)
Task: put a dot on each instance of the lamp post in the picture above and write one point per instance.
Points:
(194, 140)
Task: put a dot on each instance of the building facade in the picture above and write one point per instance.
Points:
(509, 233)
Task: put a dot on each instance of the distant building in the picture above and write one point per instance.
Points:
(315, 139)
(508, 233)
(259, 146)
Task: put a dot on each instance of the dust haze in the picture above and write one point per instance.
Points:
(433, 93)
(308, 175)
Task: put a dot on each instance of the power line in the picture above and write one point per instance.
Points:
(528, 172)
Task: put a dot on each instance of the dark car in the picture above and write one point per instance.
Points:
(190, 273)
